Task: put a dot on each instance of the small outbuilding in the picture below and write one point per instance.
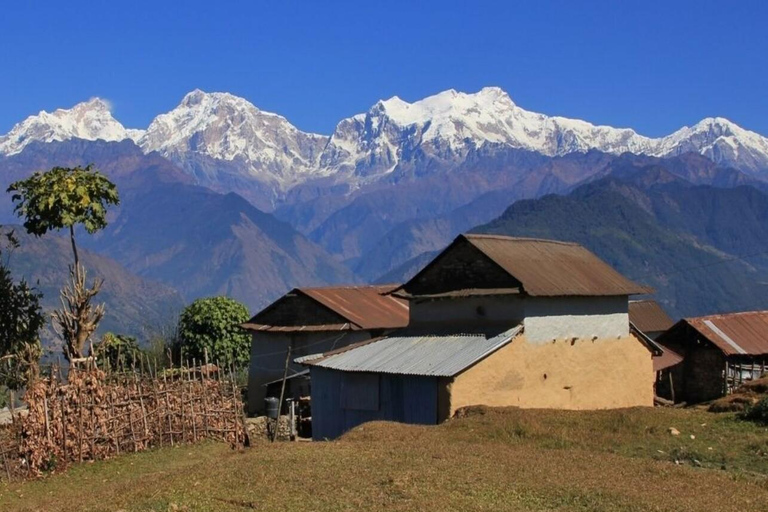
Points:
(309, 320)
(719, 353)
(498, 321)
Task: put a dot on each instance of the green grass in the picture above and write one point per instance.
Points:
(491, 460)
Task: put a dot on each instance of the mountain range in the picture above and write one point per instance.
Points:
(226, 142)
(220, 197)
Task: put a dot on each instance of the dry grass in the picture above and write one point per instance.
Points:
(747, 395)
(489, 460)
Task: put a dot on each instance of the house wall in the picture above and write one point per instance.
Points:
(268, 350)
(557, 318)
(701, 374)
(344, 400)
(585, 374)
(468, 311)
(545, 318)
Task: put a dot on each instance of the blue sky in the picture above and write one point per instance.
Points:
(652, 66)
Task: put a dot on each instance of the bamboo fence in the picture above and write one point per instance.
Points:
(97, 414)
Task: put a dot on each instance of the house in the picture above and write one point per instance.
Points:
(498, 321)
(719, 352)
(309, 320)
(648, 316)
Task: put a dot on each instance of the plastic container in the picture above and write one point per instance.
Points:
(272, 405)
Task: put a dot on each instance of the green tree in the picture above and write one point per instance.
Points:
(118, 350)
(214, 324)
(63, 198)
(21, 319)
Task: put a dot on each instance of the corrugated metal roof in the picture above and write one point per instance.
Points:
(735, 333)
(554, 268)
(667, 359)
(297, 328)
(366, 306)
(427, 355)
(648, 316)
(466, 292)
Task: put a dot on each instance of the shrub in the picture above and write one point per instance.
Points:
(758, 412)
(213, 324)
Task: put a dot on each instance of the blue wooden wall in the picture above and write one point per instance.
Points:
(403, 398)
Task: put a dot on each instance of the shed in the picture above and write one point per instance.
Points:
(719, 353)
(311, 320)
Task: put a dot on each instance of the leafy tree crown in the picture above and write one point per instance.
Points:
(214, 324)
(21, 319)
(63, 197)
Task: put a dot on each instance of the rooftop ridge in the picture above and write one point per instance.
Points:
(722, 315)
(348, 287)
(518, 239)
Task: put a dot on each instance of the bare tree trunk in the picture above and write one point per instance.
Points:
(74, 247)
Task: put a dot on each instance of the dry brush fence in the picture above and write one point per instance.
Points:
(96, 415)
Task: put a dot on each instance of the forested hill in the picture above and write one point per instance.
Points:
(703, 249)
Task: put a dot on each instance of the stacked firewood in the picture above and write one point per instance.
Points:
(93, 415)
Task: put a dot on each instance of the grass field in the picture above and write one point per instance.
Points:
(490, 460)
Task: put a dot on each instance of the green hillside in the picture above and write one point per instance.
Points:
(683, 240)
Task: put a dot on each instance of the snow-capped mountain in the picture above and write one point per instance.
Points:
(721, 141)
(229, 144)
(90, 120)
(443, 128)
(222, 127)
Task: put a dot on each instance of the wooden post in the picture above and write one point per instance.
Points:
(79, 426)
(182, 383)
(5, 463)
(282, 389)
(192, 403)
(112, 419)
(47, 424)
(204, 387)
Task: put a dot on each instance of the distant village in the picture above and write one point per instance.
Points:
(495, 321)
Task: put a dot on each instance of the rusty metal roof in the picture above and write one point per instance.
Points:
(466, 292)
(368, 307)
(743, 333)
(648, 316)
(667, 359)
(428, 355)
(554, 268)
(364, 307)
(297, 328)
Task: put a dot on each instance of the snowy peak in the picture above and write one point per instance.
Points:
(221, 126)
(444, 127)
(229, 144)
(722, 141)
(90, 120)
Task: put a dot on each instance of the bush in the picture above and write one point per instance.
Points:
(213, 324)
(758, 412)
(118, 350)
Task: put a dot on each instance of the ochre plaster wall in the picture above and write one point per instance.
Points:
(580, 374)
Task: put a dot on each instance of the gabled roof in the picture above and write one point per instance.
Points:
(648, 316)
(368, 307)
(743, 333)
(351, 307)
(427, 355)
(545, 268)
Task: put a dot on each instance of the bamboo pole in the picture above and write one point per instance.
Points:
(282, 389)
